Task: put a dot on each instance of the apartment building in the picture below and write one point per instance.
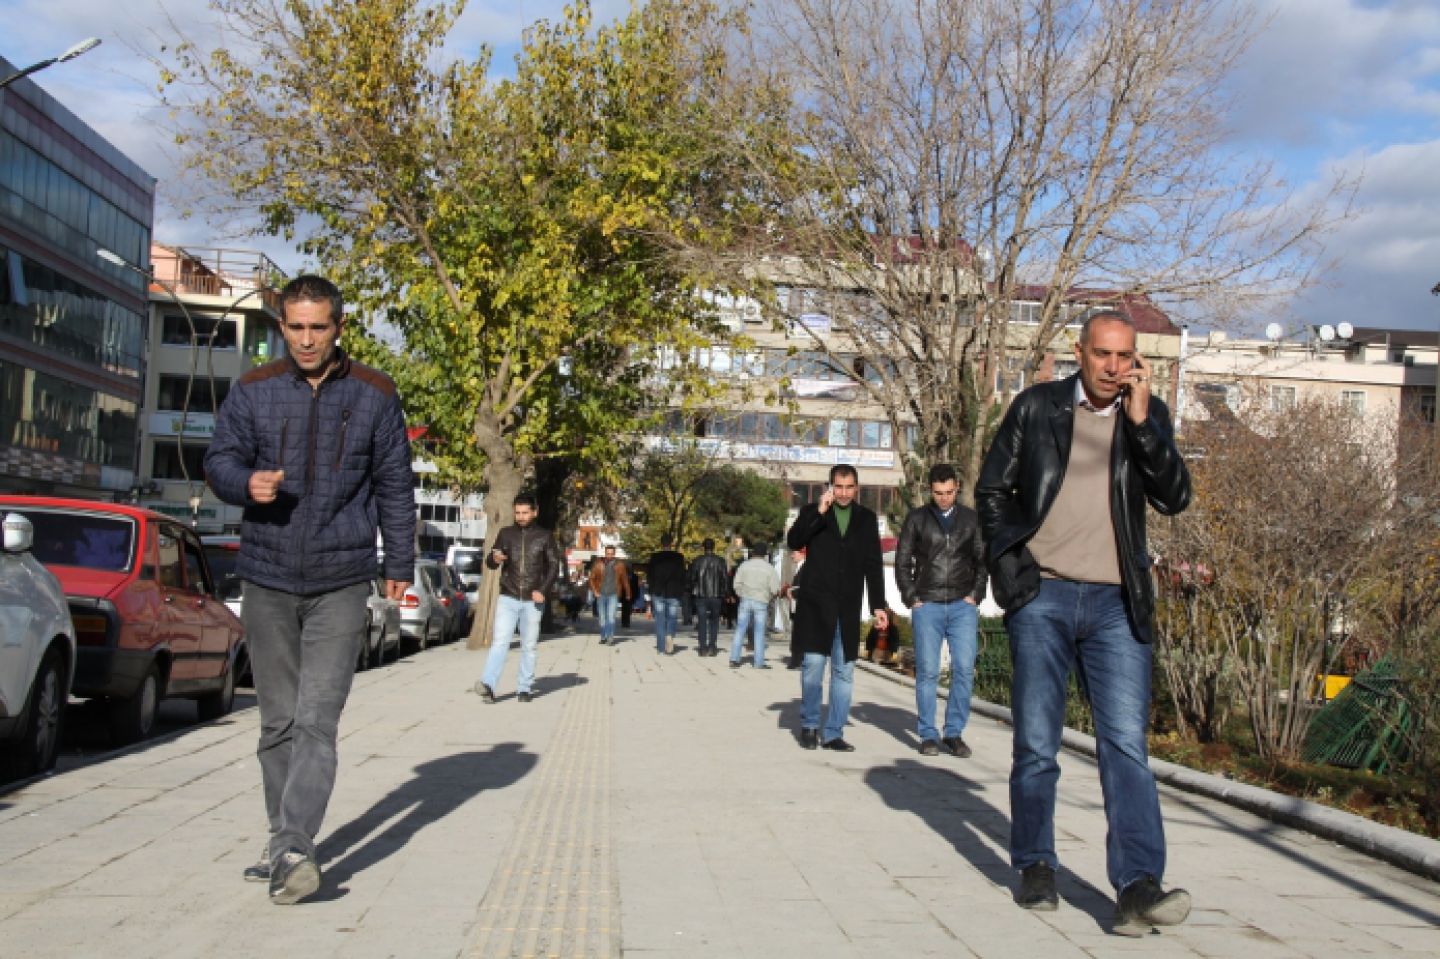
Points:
(1386, 376)
(72, 326)
(212, 316)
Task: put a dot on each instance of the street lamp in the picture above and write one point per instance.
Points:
(70, 54)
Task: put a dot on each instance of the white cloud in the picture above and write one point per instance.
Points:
(1323, 68)
(1389, 254)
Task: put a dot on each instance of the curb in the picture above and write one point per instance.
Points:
(1414, 853)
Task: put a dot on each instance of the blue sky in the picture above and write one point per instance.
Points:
(1328, 84)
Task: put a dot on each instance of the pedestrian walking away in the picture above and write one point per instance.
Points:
(756, 584)
(709, 579)
(940, 571)
(1061, 498)
(313, 446)
(665, 573)
(529, 564)
(842, 567)
(609, 583)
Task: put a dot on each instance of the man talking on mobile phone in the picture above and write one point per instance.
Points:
(842, 565)
(528, 562)
(1061, 499)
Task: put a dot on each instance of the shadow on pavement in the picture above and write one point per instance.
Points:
(553, 684)
(1304, 856)
(898, 722)
(952, 806)
(438, 788)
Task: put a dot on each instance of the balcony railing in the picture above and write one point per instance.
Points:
(214, 271)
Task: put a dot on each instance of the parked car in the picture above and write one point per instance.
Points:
(149, 623)
(469, 563)
(382, 627)
(422, 618)
(37, 656)
(222, 552)
(446, 594)
(459, 594)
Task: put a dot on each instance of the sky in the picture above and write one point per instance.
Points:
(1328, 85)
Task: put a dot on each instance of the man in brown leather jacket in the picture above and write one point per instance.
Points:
(610, 582)
(1061, 499)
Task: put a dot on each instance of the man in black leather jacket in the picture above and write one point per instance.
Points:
(528, 562)
(709, 581)
(940, 569)
(1061, 499)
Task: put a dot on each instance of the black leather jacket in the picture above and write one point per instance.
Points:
(932, 566)
(531, 560)
(709, 577)
(1022, 473)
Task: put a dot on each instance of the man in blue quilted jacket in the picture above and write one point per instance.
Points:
(314, 447)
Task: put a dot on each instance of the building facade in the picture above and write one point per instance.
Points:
(72, 326)
(212, 316)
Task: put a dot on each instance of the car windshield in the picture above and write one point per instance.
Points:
(222, 560)
(82, 539)
(467, 562)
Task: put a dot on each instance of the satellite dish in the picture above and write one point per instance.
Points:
(1327, 333)
(1345, 330)
(1273, 332)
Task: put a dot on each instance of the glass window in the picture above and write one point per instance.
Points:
(167, 461)
(88, 540)
(169, 572)
(1281, 398)
(51, 415)
(1353, 400)
(175, 331)
(173, 393)
(195, 579)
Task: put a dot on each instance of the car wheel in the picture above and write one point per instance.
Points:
(362, 661)
(217, 704)
(377, 655)
(132, 719)
(36, 749)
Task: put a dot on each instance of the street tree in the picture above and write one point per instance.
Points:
(1278, 559)
(950, 159)
(526, 239)
(693, 495)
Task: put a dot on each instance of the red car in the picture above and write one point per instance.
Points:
(148, 621)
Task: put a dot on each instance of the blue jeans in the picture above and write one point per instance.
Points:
(509, 613)
(955, 624)
(1083, 626)
(812, 682)
(605, 607)
(303, 651)
(707, 611)
(667, 616)
(750, 616)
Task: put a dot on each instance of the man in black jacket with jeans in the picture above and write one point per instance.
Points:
(1061, 498)
(940, 569)
(529, 563)
(709, 581)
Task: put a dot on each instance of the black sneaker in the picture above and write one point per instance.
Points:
(1037, 888)
(486, 693)
(734, 664)
(810, 738)
(293, 876)
(523, 697)
(956, 746)
(839, 745)
(260, 872)
(1143, 905)
(929, 748)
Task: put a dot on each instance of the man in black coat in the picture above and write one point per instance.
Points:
(842, 543)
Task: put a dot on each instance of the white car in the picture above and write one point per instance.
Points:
(37, 656)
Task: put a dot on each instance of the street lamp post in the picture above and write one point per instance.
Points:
(70, 54)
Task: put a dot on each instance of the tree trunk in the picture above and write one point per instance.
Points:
(504, 479)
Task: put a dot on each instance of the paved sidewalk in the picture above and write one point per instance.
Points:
(643, 805)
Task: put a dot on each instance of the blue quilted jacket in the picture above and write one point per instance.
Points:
(346, 458)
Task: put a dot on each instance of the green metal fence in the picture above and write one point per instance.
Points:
(1365, 727)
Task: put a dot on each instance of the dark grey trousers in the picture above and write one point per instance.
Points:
(302, 651)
